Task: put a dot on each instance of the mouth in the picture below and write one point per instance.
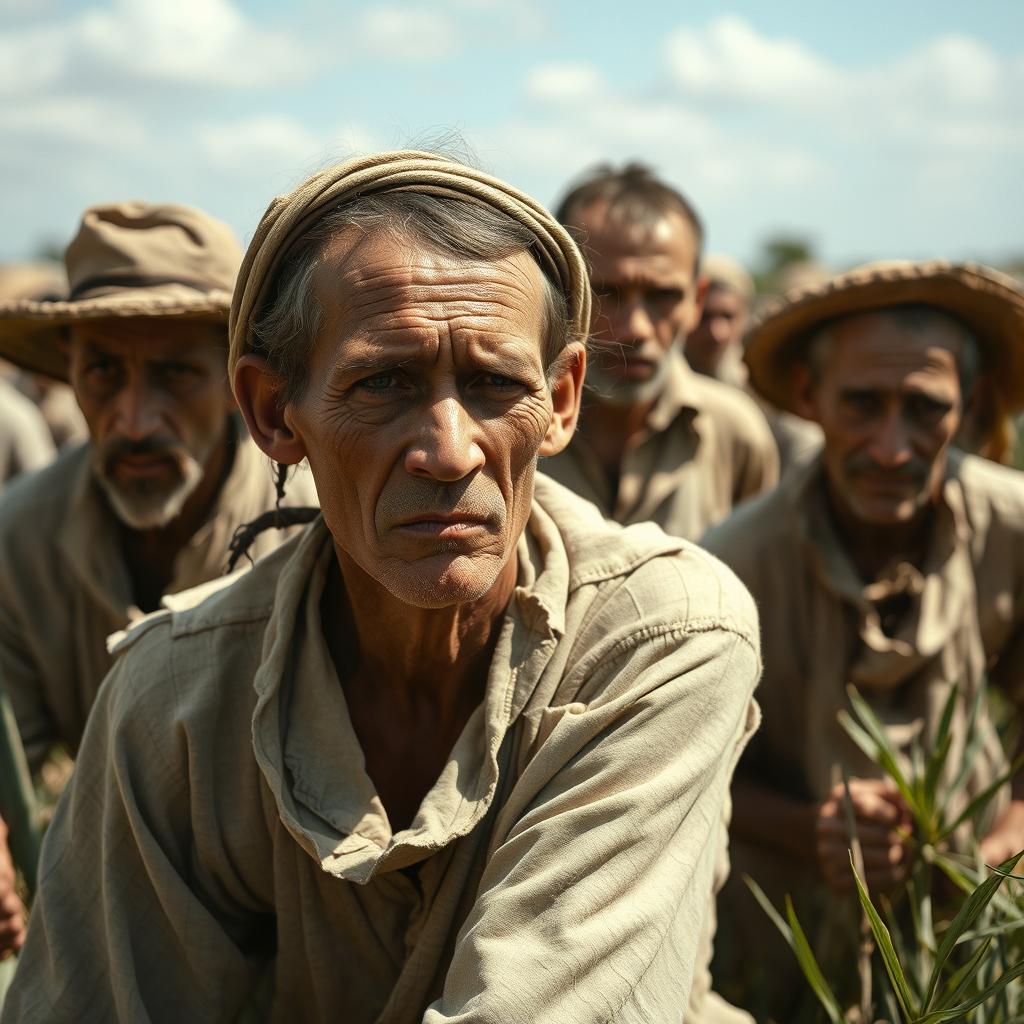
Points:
(443, 525)
(138, 465)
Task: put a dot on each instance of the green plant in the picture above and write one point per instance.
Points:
(936, 961)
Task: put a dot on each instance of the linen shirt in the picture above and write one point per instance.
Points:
(558, 870)
(65, 586)
(705, 448)
(823, 627)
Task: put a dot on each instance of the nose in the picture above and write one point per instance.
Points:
(136, 413)
(446, 448)
(890, 447)
(630, 321)
(720, 329)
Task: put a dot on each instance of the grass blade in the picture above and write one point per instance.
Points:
(797, 941)
(955, 1012)
(979, 802)
(884, 943)
(966, 916)
(940, 749)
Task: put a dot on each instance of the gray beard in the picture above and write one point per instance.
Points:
(150, 508)
(614, 391)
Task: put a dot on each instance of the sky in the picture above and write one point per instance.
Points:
(895, 131)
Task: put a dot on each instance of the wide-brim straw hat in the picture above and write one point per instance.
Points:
(990, 304)
(128, 260)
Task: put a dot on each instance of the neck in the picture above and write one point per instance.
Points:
(873, 546)
(414, 656)
(151, 554)
(610, 428)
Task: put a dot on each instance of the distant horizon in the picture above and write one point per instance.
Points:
(897, 134)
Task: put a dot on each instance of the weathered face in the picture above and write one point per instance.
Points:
(426, 405)
(645, 300)
(721, 327)
(155, 397)
(888, 400)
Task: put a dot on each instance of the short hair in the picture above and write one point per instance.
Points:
(636, 197)
(286, 326)
(909, 316)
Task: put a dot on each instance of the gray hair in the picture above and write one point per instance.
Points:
(913, 317)
(286, 327)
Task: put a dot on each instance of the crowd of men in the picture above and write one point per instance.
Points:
(455, 738)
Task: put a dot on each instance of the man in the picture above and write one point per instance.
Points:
(892, 562)
(53, 398)
(424, 763)
(149, 505)
(715, 347)
(656, 441)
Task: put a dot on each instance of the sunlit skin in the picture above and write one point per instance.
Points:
(647, 297)
(888, 401)
(155, 397)
(426, 408)
(722, 325)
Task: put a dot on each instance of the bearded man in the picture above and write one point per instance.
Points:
(656, 441)
(458, 752)
(892, 562)
(148, 506)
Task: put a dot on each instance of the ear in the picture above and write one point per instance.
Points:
(804, 391)
(257, 388)
(566, 376)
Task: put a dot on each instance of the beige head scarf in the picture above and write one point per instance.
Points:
(289, 216)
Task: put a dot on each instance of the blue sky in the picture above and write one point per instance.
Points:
(897, 131)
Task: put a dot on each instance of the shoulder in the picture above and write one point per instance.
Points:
(756, 529)
(733, 411)
(34, 504)
(990, 490)
(643, 579)
(202, 651)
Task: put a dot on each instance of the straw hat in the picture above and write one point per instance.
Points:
(988, 303)
(127, 260)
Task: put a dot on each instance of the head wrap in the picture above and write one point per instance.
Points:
(288, 217)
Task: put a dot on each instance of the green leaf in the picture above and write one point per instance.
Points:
(884, 752)
(966, 916)
(953, 1012)
(940, 748)
(962, 978)
(809, 965)
(884, 942)
(797, 941)
(978, 803)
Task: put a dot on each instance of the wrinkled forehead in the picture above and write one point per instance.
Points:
(153, 337)
(381, 279)
(665, 248)
(875, 347)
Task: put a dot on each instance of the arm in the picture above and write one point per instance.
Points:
(591, 907)
(121, 928)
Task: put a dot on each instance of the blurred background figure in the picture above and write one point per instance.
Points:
(44, 281)
(715, 348)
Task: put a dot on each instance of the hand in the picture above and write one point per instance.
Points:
(883, 828)
(1007, 837)
(12, 910)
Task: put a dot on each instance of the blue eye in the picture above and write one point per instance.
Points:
(499, 380)
(378, 382)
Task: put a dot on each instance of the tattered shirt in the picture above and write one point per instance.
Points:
(221, 824)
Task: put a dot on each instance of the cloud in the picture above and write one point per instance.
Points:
(564, 82)
(408, 34)
(731, 61)
(186, 43)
